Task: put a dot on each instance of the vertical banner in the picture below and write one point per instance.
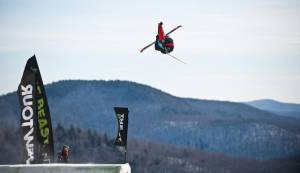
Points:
(27, 101)
(122, 117)
(37, 137)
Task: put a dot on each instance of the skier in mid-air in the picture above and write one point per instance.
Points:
(163, 42)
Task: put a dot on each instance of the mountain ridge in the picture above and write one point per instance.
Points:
(277, 107)
(160, 117)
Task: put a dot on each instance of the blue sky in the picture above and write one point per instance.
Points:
(236, 50)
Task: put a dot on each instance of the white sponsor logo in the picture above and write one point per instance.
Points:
(27, 116)
(121, 118)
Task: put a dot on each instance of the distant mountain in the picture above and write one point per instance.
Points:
(280, 108)
(90, 147)
(235, 129)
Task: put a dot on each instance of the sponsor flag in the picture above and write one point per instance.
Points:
(122, 117)
(36, 125)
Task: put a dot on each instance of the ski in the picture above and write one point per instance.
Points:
(176, 58)
(174, 29)
(154, 41)
(147, 46)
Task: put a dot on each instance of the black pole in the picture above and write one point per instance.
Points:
(125, 154)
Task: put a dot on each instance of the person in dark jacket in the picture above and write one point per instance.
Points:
(163, 43)
(63, 156)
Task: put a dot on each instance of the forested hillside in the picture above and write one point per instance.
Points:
(234, 129)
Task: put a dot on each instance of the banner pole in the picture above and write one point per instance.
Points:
(125, 154)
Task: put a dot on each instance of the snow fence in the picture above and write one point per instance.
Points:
(66, 168)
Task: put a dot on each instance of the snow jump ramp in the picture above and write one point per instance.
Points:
(66, 168)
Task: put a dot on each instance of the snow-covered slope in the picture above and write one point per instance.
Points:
(66, 168)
